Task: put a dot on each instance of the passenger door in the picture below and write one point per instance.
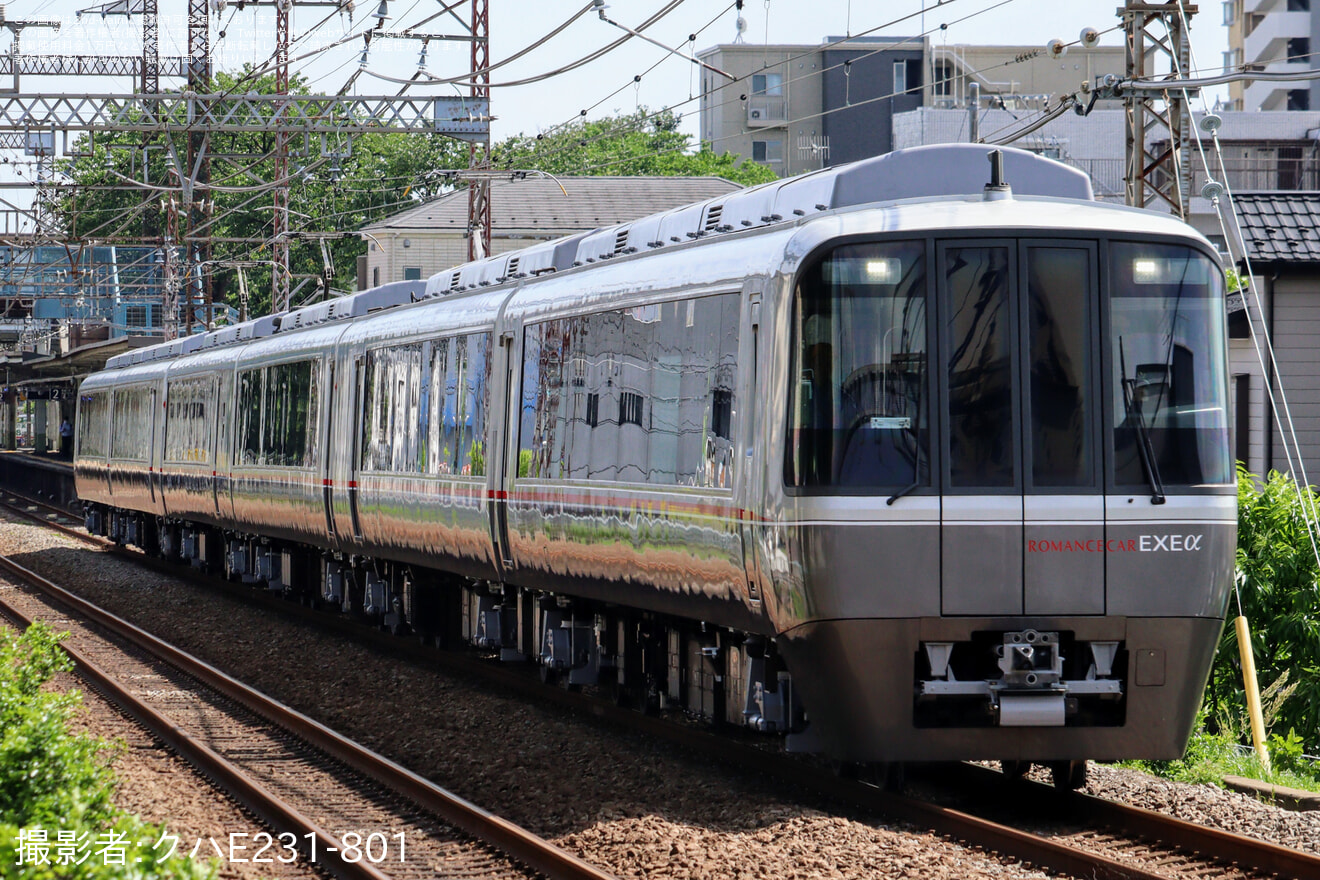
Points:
(1023, 524)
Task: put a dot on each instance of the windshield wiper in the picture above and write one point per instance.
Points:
(908, 488)
(1134, 415)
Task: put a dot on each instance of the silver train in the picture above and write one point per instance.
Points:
(903, 464)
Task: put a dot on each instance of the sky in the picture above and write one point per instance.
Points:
(602, 87)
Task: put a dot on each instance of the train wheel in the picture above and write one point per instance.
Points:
(1015, 769)
(1069, 774)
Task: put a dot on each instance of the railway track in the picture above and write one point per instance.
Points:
(1069, 833)
(345, 808)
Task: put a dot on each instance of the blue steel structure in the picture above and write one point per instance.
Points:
(120, 287)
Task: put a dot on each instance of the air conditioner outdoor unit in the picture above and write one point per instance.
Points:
(755, 114)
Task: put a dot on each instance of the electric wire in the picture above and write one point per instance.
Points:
(1310, 515)
(624, 128)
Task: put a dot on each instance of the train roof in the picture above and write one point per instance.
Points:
(932, 175)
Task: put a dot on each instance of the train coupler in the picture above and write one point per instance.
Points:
(1027, 685)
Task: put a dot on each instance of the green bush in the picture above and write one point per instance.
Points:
(1279, 594)
(59, 786)
(46, 775)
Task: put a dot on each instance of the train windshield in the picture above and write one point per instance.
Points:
(1167, 353)
(859, 417)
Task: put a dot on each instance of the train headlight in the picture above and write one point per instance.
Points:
(1169, 270)
(886, 271)
(1146, 271)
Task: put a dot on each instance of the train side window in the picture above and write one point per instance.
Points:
(131, 434)
(476, 402)
(393, 431)
(454, 415)
(251, 384)
(436, 456)
(543, 441)
(92, 433)
(635, 395)
(457, 393)
(289, 435)
(405, 390)
(189, 404)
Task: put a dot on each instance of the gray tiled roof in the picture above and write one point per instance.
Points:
(1280, 225)
(539, 204)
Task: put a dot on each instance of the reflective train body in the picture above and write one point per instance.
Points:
(902, 465)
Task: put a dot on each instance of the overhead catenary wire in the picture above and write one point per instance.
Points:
(722, 87)
(589, 168)
(634, 125)
(1261, 342)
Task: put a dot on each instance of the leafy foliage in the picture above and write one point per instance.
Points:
(46, 775)
(52, 781)
(381, 175)
(374, 177)
(1211, 756)
(1280, 595)
(638, 143)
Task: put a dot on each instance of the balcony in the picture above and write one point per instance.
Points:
(1264, 6)
(1273, 95)
(1106, 177)
(1269, 41)
(763, 110)
(1282, 174)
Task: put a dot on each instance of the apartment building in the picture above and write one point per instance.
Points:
(1274, 36)
(801, 107)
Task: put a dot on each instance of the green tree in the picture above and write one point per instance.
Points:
(376, 175)
(638, 143)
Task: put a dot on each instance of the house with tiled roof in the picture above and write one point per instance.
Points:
(433, 236)
(1281, 236)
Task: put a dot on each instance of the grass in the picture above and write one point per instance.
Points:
(56, 785)
(1210, 756)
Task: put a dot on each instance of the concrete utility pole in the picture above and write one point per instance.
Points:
(1158, 129)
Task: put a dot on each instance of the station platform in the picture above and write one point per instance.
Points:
(46, 478)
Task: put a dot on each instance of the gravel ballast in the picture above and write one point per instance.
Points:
(634, 807)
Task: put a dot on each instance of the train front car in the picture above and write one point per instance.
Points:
(1008, 513)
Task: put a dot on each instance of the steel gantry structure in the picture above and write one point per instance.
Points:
(199, 112)
(1158, 124)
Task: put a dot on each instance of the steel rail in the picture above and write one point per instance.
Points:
(512, 840)
(280, 815)
(1210, 843)
(1269, 858)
